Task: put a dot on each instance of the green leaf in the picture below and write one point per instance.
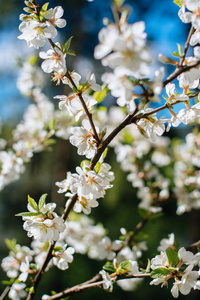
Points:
(27, 214)
(172, 257)
(6, 282)
(33, 266)
(84, 161)
(68, 43)
(178, 2)
(109, 267)
(160, 272)
(32, 203)
(176, 54)
(82, 86)
(75, 89)
(180, 49)
(119, 3)
(44, 9)
(11, 244)
(57, 249)
(97, 167)
(105, 153)
(30, 290)
(42, 201)
(36, 17)
(70, 52)
(125, 266)
(99, 96)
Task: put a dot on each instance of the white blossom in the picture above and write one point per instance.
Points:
(107, 283)
(17, 291)
(45, 226)
(62, 258)
(54, 60)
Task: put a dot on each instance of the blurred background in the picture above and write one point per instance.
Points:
(84, 20)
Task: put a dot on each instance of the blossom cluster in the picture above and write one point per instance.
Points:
(89, 185)
(177, 264)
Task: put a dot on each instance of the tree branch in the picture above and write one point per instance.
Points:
(94, 282)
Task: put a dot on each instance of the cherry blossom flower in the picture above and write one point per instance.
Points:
(186, 283)
(192, 15)
(107, 37)
(74, 106)
(165, 243)
(76, 78)
(121, 87)
(83, 139)
(172, 95)
(62, 258)
(91, 81)
(17, 291)
(107, 283)
(34, 33)
(46, 225)
(54, 16)
(54, 60)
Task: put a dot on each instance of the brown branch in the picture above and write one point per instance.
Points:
(89, 115)
(179, 71)
(94, 282)
(48, 257)
(186, 45)
(5, 292)
(79, 94)
(193, 246)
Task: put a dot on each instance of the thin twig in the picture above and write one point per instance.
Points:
(5, 292)
(179, 71)
(186, 46)
(89, 115)
(95, 282)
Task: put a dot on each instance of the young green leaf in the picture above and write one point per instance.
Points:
(68, 43)
(70, 52)
(119, 3)
(180, 49)
(32, 203)
(176, 54)
(99, 96)
(160, 272)
(172, 257)
(42, 201)
(125, 266)
(11, 244)
(178, 2)
(43, 10)
(84, 161)
(109, 267)
(97, 167)
(27, 214)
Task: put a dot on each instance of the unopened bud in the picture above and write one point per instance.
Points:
(166, 60)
